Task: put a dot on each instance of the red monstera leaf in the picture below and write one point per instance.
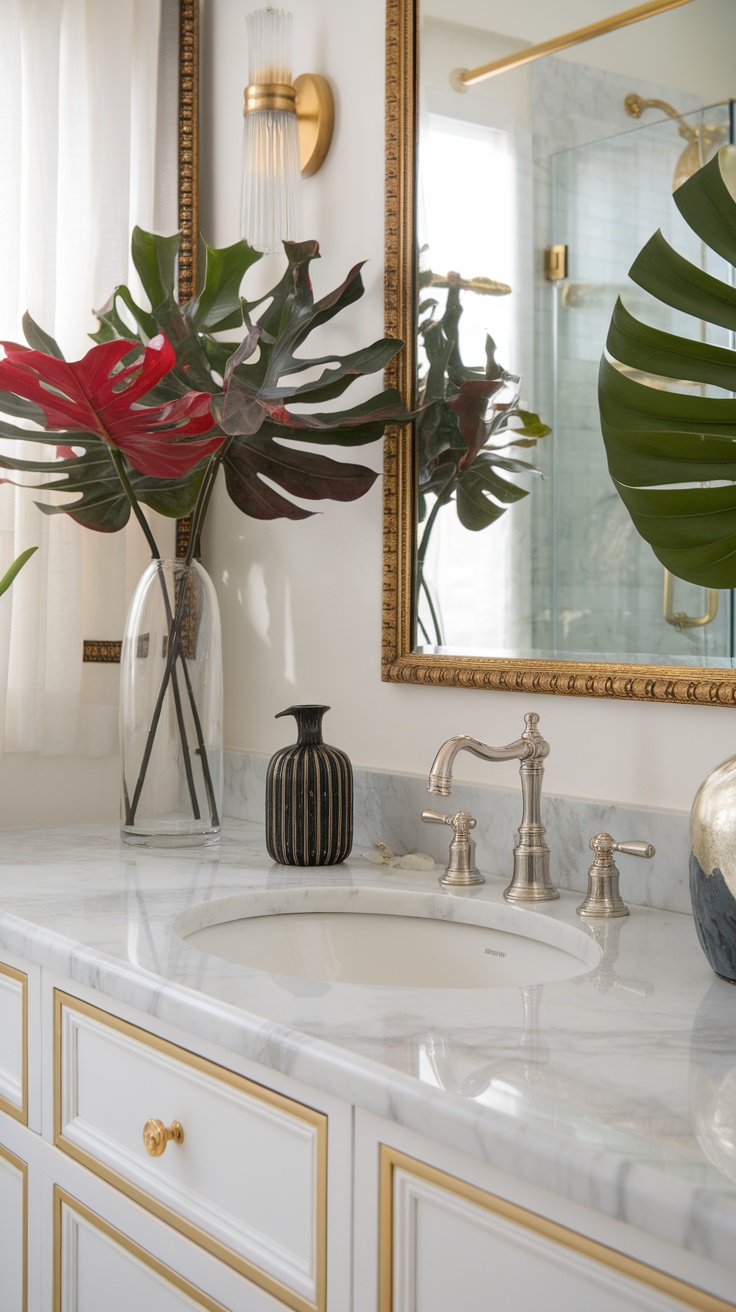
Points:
(96, 395)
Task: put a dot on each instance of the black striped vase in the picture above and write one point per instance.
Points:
(309, 797)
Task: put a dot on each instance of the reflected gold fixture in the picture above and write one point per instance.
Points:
(603, 899)
(461, 870)
(530, 881)
(555, 262)
(679, 619)
(462, 78)
(484, 286)
(287, 132)
(701, 140)
(156, 1136)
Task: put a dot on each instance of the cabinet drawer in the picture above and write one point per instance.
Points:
(14, 1042)
(248, 1179)
(96, 1266)
(13, 1232)
(445, 1244)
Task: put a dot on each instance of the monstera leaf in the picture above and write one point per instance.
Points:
(463, 410)
(663, 445)
(92, 407)
(256, 380)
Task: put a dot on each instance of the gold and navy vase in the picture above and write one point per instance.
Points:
(713, 868)
(309, 797)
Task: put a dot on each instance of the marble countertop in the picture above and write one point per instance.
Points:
(615, 1088)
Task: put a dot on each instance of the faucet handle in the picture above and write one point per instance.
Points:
(461, 869)
(436, 818)
(603, 898)
(633, 848)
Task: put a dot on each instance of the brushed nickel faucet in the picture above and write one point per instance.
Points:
(530, 881)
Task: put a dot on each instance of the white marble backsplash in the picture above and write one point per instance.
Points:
(388, 809)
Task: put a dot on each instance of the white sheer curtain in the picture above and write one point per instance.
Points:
(88, 148)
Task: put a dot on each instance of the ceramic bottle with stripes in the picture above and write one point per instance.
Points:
(309, 797)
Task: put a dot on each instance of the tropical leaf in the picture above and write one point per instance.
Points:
(257, 383)
(15, 568)
(663, 442)
(86, 472)
(100, 394)
(304, 474)
(90, 408)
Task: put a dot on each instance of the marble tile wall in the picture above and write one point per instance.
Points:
(388, 809)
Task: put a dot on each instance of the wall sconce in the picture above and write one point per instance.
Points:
(287, 131)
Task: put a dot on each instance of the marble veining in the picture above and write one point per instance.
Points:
(612, 1088)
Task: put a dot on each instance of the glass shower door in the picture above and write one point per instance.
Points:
(610, 595)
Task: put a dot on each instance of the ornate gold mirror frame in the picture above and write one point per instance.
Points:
(400, 663)
(106, 651)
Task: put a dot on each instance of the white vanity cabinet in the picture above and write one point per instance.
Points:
(164, 1178)
(20, 1106)
(18, 995)
(229, 1162)
(13, 1231)
(429, 1239)
(252, 1192)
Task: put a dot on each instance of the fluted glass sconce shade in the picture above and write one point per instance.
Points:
(287, 132)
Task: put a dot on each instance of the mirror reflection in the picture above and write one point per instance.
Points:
(536, 188)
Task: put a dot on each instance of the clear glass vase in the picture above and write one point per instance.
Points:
(171, 709)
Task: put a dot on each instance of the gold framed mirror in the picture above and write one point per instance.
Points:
(404, 660)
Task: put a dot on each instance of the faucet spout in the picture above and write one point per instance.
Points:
(530, 880)
(531, 746)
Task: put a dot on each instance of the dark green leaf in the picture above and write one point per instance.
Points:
(652, 351)
(218, 307)
(299, 473)
(664, 273)
(113, 324)
(39, 341)
(154, 259)
(475, 510)
(706, 202)
(657, 438)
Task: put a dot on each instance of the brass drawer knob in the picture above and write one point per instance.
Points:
(156, 1135)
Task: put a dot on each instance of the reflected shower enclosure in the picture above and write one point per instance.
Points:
(606, 591)
(562, 571)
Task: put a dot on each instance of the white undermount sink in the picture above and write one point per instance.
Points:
(388, 938)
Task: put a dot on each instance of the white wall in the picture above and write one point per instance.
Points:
(301, 602)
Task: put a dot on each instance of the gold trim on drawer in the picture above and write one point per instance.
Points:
(20, 1165)
(63, 1199)
(207, 1241)
(390, 1159)
(12, 1108)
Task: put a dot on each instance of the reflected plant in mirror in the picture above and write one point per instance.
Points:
(462, 464)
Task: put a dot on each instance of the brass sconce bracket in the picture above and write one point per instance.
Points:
(310, 98)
